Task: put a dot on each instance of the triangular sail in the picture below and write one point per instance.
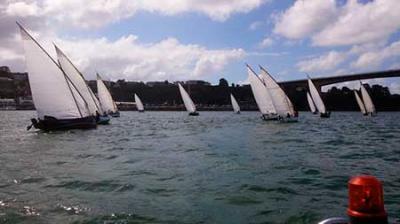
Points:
(190, 107)
(360, 103)
(139, 103)
(311, 103)
(78, 80)
(316, 97)
(369, 105)
(106, 101)
(235, 104)
(260, 92)
(282, 103)
(51, 93)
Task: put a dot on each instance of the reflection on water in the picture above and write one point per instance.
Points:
(167, 167)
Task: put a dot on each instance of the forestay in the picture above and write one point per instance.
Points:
(369, 105)
(51, 93)
(311, 103)
(106, 102)
(281, 102)
(78, 80)
(261, 94)
(190, 107)
(235, 104)
(316, 97)
(139, 103)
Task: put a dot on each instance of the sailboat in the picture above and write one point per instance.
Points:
(360, 103)
(318, 100)
(368, 105)
(283, 106)
(58, 103)
(79, 81)
(311, 104)
(262, 96)
(106, 101)
(190, 107)
(235, 105)
(139, 104)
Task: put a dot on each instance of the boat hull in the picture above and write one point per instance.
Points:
(115, 114)
(141, 111)
(325, 115)
(269, 117)
(288, 120)
(194, 113)
(53, 124)
(103, 120)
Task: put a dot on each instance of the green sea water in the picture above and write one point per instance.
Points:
(219, 167)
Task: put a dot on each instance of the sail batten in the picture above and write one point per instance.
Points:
(189, 105)
(139, 103)
(51, 91)
(261, 94)
(319, 103)
(235, 104)
(369, 105)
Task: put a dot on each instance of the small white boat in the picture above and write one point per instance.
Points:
(311, 104)
(367, 102)
(106, 101)
(316, 98)
(139, 104)
(283, 106)
(58, 104)
(262, 96)
(189, 105)
(235, 105)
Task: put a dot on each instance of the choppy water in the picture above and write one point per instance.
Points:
(167, 167)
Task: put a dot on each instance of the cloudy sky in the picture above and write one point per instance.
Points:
(209, 39)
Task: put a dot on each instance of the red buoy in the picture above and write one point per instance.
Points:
(366, 204)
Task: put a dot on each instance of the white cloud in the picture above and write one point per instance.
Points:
(305, 17)
(129, 59)
(98, 13)
(266, 42)
(322, 63)
(361, 23)
(23, 9)
(374, 58)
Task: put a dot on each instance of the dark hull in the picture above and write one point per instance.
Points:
(194, 113)
(103, 120)
(53, 124)
(116, 114)
(237, 112)
(325, 115)
(269, 117)
(141, 111)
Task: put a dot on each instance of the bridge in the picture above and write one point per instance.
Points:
(301, 84)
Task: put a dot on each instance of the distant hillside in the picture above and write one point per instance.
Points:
(15, 85)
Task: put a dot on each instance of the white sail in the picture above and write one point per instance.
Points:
(261, 94)
(311, 103)
(51, 93)
(106, 102)
(96, 101)
(190, 107)
(281, 102)
(235, 104)
(78, 81)
(369, 105)
(360, 103)
(316, 97)
(139, 103)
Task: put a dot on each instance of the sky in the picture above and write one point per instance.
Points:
(149, 40)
